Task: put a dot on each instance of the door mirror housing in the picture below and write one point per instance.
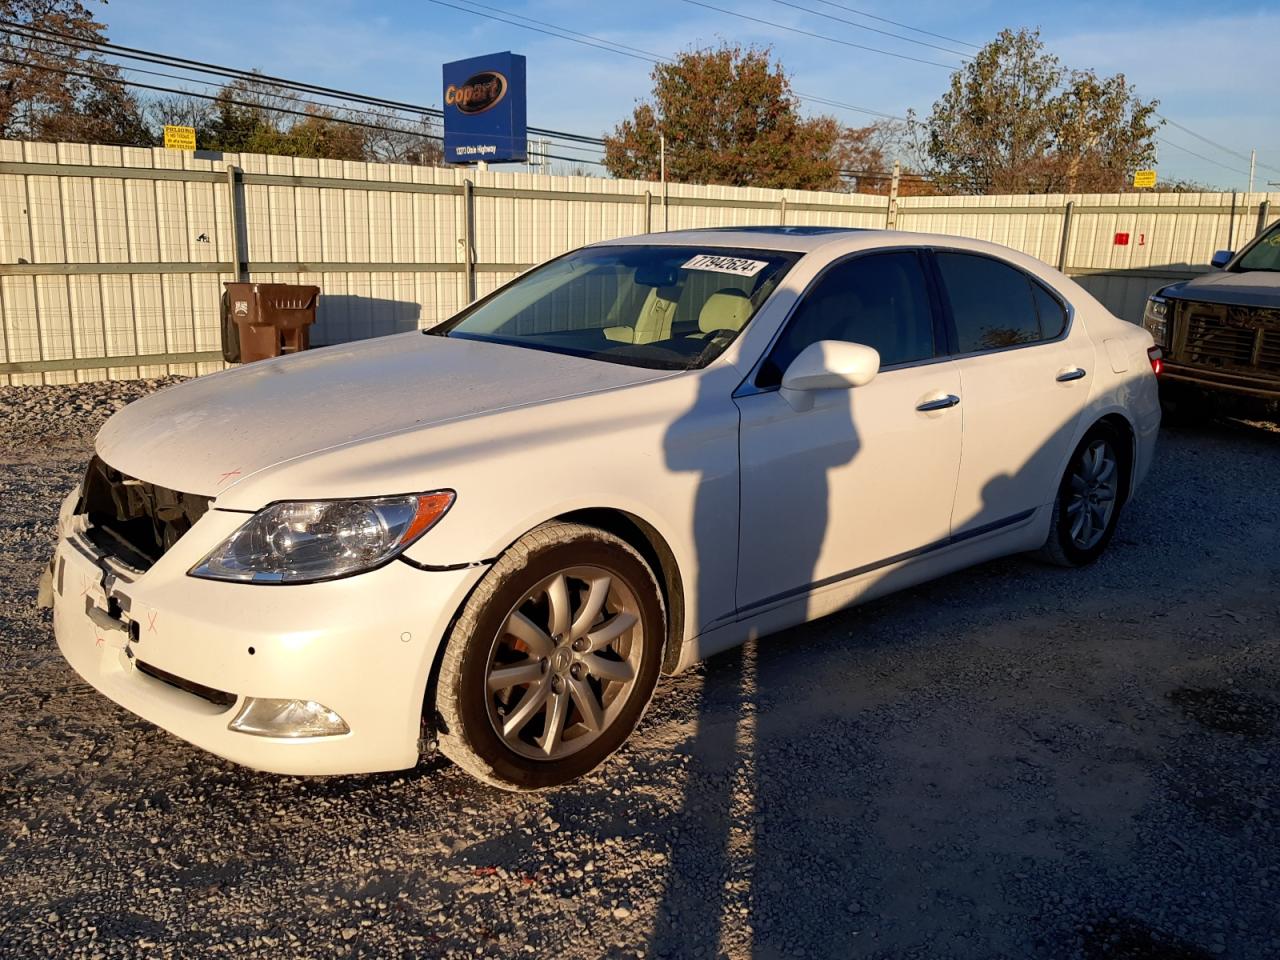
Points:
(831, 365)
(1221, 258)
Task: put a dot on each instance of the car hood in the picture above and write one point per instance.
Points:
(1253, 288)
(209, 434)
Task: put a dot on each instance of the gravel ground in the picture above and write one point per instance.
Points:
(1014, 761)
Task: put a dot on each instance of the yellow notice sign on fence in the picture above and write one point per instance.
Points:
(179, 138)
(1144, 178)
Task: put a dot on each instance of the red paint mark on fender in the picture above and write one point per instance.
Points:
(87, 582)
(225, 477)
(99, 641)
(151, 621)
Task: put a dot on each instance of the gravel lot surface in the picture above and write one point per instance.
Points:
(1014, 761)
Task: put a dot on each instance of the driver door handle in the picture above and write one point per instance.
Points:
(1072, 373)
(941, 403)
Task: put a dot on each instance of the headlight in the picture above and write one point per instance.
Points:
(308, 540)
(1156, 318)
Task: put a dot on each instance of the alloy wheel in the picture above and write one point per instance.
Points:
(1095, 484)
(565, 662)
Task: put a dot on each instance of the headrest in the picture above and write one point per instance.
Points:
(726, 309)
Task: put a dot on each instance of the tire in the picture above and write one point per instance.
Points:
(1069, 544)
(580, 674)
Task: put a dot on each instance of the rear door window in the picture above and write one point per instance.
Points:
(994, 304)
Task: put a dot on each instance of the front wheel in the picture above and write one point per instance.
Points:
(1088, 502)
(553, 659)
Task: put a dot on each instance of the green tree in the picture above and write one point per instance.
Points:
(729, 117)
(1014, 120)
(52, 91)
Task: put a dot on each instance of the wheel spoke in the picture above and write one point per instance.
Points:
(611, 630)
(526, 671)
(1106, 495)
(557, 710)
(1077, 527)
(605, 669)
(592, 607)
(535, 699)
(1079, 483)
(588, 705)
(558, 600)
(530, 634)
(1108, 468)
(1074, 506)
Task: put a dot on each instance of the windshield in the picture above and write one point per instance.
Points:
(1263, 255)
(668, 307)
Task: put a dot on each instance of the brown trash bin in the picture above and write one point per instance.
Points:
(267, 319)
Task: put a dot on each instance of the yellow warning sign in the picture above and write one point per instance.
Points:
(179, 138)
(1144, 178)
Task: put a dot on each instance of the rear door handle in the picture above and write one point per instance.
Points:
(1073, 373)
(941, 403)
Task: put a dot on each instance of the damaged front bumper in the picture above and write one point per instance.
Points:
(193, 655)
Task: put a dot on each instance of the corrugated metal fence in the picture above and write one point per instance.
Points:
(112, 259)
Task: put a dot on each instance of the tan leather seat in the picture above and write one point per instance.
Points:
(726, 309)
(653, 323)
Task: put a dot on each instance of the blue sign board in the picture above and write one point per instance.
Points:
(484, 109)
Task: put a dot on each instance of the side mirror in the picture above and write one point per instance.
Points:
(1221, 258)
(831, 365)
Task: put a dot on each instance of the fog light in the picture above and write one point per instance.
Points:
(267, 717)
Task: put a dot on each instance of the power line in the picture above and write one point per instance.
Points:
(600, 44)
(1214, 143)
(817, 36)
(150, 56)
(863, 26)
(258, 106)
(896, 23)
(1200, 156)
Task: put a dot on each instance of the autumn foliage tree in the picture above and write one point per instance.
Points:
(52, 91)
(729, 117)
(1014, 120)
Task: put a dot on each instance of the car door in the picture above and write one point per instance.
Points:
(1024, 375)
(864, 475)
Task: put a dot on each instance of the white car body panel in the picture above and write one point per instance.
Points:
(525, 436)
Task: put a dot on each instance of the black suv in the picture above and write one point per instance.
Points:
(1221, 331)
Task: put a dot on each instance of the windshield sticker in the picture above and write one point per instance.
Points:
(735, 265)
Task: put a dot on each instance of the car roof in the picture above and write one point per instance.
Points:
(807, 239)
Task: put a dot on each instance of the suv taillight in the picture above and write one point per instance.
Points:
(1156, 356)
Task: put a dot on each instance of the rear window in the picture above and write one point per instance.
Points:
(995, 305)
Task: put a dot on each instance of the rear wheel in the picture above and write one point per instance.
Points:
(1089, 500)
(553, 659)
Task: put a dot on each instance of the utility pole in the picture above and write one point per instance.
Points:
(1253, 162)
(662, 168)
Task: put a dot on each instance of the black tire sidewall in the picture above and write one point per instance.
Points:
(524, 773)
(1075, 555)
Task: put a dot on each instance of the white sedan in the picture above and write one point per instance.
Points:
(495, 534)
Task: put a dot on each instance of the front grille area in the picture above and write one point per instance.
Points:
(1228, 337)
(132, 520)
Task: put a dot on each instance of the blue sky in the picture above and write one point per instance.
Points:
(1205, 62)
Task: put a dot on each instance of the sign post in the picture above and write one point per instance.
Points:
(485, 109)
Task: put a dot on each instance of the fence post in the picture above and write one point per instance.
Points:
(468, 237)
(782, 213)
(648, 211)
(891, 212)
(1066, 235)
(1231, 224)
(1264, 211)
(238, 259)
